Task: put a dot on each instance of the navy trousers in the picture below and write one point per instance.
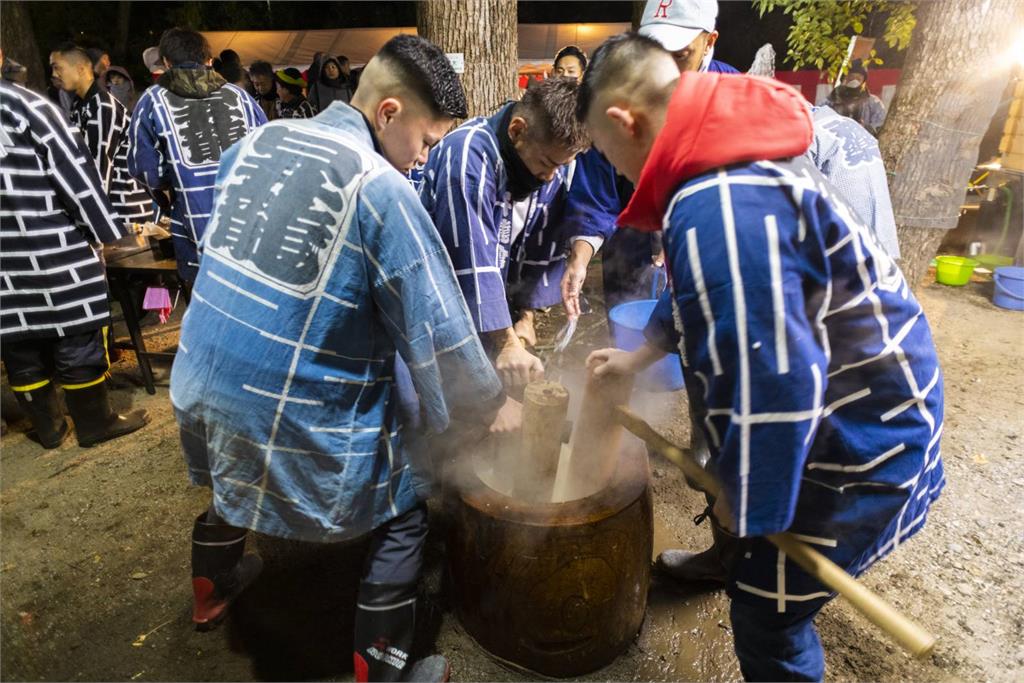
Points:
(778, 647)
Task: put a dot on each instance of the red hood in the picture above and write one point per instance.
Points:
(714, 120)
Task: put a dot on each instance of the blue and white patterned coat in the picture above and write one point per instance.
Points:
(811, 366)
(464, 187)
(849, 157)
(176, 138)
(319, 264)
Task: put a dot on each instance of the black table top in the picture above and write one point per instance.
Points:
(142, 262)
(124, 247)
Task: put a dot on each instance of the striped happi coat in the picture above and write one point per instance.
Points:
(176, 139)
(504, 252)
(52, 206)
(103, 122)
(811, 366)
(319, 263)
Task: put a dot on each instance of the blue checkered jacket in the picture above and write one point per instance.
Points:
(319, 265)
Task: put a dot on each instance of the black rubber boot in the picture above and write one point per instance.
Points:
(220, 570)
(710, 566)
(385, 625)
(95, 420)
(44, 410)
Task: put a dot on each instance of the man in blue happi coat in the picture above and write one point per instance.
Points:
(495, 188)
(178, 131)
(320, 265)
(808, 361)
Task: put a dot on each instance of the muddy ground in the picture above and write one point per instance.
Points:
(94, 551)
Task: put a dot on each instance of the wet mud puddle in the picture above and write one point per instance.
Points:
(686, 634)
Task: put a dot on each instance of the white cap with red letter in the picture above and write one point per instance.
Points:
(675, 23)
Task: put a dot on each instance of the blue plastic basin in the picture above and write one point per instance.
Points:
(1009, 288)
(626, 323)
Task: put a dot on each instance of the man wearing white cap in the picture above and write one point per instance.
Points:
(842, 151)
(686, 28)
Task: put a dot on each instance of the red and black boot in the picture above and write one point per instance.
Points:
(220, 570)
(385, 627)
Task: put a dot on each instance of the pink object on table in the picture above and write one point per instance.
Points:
(158, 299)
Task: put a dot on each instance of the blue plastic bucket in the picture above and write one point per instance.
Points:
(1009, 288)
(626, 323)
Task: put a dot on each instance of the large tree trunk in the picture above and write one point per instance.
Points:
(956, 68)
(484, 31)
(638, 13)
(18, 41)
(119, 51)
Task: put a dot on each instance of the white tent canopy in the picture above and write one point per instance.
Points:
(537, 42)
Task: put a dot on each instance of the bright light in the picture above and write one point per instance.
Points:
(1017, 51)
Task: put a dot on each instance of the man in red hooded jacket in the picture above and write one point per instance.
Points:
(808, 361)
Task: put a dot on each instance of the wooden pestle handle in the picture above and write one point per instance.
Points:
(899, 627)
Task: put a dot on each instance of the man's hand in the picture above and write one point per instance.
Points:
(575, 275)
(509, 417)
(518, 367)
(619, 362)
(515, 365)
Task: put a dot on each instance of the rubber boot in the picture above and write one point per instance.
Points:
(710, 566)
(385, 625)
(220, 570)
(95, 420)
(44, 410)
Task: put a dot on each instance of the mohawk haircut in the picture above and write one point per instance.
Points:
(422, 67)
(572, 51)
(548, 108)
(76, 54)
(614, 64)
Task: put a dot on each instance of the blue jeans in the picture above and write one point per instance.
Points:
(778, 647)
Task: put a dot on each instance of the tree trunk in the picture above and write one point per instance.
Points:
(484, 31)
(120, 48)
(956, 68)
(18, 41)
(638, 13)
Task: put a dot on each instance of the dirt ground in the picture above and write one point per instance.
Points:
(94, 551)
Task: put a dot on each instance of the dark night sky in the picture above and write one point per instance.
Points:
(742, 32)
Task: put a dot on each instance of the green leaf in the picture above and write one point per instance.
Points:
(820, 32)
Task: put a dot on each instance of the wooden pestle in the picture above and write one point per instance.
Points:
(545, 405)
(597, 436)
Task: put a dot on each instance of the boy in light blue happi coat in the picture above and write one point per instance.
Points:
(319, 266)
